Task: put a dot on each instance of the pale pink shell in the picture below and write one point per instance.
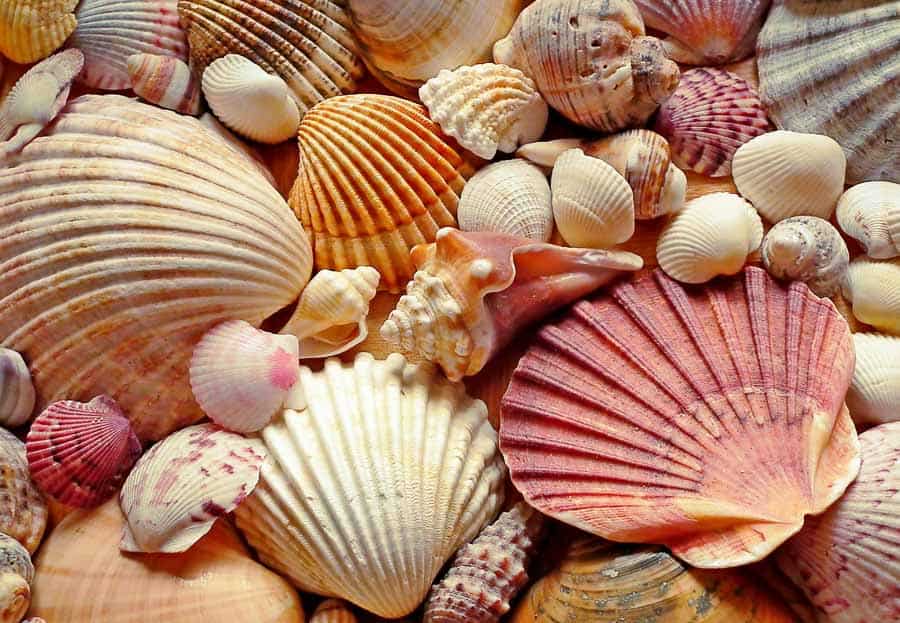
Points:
(165, 81)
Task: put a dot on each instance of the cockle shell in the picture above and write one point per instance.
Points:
(508, 197)
(16, 575)
(23, 511)
(127, 232)
(874, 395)
(593, 206)
(407, 177)
(333, 611)
(713, 235)
(707, 419)
(807, 249)
(79, 453)
(710, 115)
(870, 213)
(183, 484)
(486, 107)
(166, 81)
(591, 61)
(373, 486)
(31, 30)
(873, 287)
(846, 559)
(16, 390)
(786, 174)
(831, 68)
(474, 290)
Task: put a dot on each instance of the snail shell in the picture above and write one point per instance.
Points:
(808, 249)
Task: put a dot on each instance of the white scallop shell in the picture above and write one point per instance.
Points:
(870, 213)
(16, 390)
(874, 394)
(808, 249)
(873, 287)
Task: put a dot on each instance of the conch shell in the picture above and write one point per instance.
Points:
(16, 575)
(31, 30)
(23, 511)
(870, 213)
(165, 81)
(16, 389)
(807, 249)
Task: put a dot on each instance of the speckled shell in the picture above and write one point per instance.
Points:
(31, 30)
(873, 288)
(710, 115)
(874, 395)
(508, 197)
(407, 178)
(152, 231)
(374, 485)
(846, 559)
(786, 174)
(16, 390)
(829, 68)
(165, 81)
(23, 511)
(333, 611)
(16, 574)
(807, 249)
(870, 213)
(591, 61)
(707, 419)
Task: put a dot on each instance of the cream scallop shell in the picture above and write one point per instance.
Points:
(874, 395)
(870, 213)
(807, 249)
(16, 390)
(873, 287)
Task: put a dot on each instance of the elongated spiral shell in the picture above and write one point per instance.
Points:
(16, 389)
(31, 30)
(165, 81)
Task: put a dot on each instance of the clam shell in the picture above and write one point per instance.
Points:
(786, 174)
(333, 611)
(23, 511)
(165, 81)
(373, 486)
(31, 30)
(708, 419)
(807, 249)
(831, 68)
(870, 213)
(16, 389)
(873, 287)
(591, 61)
(874, 395)
(183, 484)
(16, 574)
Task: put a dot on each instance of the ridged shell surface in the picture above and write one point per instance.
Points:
(333, 611)
(874, 394)
(873, 288)
(16, 390)
(870, 213)
(31, 30)
(110, 277)
(709, 420)
(16, 574)
(165, 81)
(373, 486)
(807, 249)
(23, 511)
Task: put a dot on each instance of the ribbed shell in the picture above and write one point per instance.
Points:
(807, 249)
(16, 574)
(126, 232)
(832, 68)
(874, 395)
(870, 213)
(372, 487)
(333, 611)
(873, 287)
(31, 30)
(23, 511)
(709, 420)
(165, 81)
(16, 390)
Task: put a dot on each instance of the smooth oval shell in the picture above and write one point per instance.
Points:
(165, 81)
(807, 249)
(16, 390)
(874, 394)
(333, 611)
(23, 511)
(31, 30)
(870, 213)
(16, 575)
(873, 288)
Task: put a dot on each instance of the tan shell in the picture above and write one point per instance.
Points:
(31, 30)
(807, 249)
(874, 394)
(16, 390)
(333, 611)
(165, 81)
(873, 287)
(16, 575)
(23, 511)
(870, 213)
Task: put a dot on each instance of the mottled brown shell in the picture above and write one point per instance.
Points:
(23, 511)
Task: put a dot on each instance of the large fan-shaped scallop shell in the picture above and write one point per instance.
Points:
(709, 420)
(807, 249)
(16, 389)
(373, 486)
(832, 68)
(873, 288)
(16, 574)
(870, 213)
(165, 81)
(874, 395)
(23, 511)
(152, 231)
(31, 30)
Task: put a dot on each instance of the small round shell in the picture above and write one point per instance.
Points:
(16, 574)
(23, 511)
(873, 287)
(16, 389)
(870, 213)
(166, 81)
(808, 249)
(874, 395)
(333, 611)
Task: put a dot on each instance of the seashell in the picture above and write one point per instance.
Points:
(79, 453)
(250, 101)
(870, 213)
(874, 395)
(36, 100)
(710, 115)
(593, 206)
(183, 484)
(307, 43)
(486, 107)
(16, 575)
(373, 486)
(786, 174)
(509, 197)
(333, 611)
(166, 81)
(591, 61)
(16, 390)
(807, 249)
(873, 287)
(151, 230)
(407, 178)
(828, 68)
(846, 559)
(713, 236)
(23, 511)
(110, 31)
(488, 573)
(31, 30)
(722, 405)
(240, 375)
(81, 572)
(474, 290)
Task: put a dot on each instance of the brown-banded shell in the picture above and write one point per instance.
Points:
(23, 511)
(165, 81)
(333, 611)
(870, 213)
(807, 249)
(31, 30)
(874, 394)
(873, 288)
(16, 575)
(16, 390)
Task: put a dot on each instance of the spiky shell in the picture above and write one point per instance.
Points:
(870, 213)
(16, 574)
(873, 288)
(874, 394)
(31, 30)
(165, 81)
(333, 611)
(373, 486)
(16, 390)
(23, 511)
(807, 249)
(708, 419)
(126, 232)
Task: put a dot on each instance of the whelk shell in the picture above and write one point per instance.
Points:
(23, 511)
(873, 287)
(333, 611)
(874, 394)
(16, 575)
(870, 213)
(807, 249)
(16, 390)
(31, 30)
(166, 81)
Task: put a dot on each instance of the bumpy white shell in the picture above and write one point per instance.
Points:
(486, 107)
(593, 205)
(808, 249)
(870, 213)
(712, 236)
(874, 394)
(250, 101)
(873, 287)
(786, 174)
(16, 389)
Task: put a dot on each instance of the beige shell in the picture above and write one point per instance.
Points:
(16, 575)
(712, 236)
(593, 206)
(16, 390)
(870, 213)
(109, 295)
(333, 611)
(31, 30)
(508, 197)
(23, 511)
(165, 81)
(873, 287)
(874, 394)
(486, 107)
(807, 249)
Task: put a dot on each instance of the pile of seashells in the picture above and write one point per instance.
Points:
(455, 312)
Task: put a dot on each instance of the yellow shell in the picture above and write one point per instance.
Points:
(33, 29)
(23, 511)
(873, 287)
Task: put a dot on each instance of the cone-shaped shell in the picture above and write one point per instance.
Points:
(126, 232)
(874, 395)
(372, 487)
(474, 290)
(23, 511)
(873, 287)
(165, 81)
(870, 213)
(16, 390)
(31, 30)
(807, 249)
(16, 574)
(709, 420)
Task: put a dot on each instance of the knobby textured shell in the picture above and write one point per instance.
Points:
(873, 287)
(373, 486)
(591, 61)
(165, 81)
(486, 107)
(709, 420)
(184, 484)
(830, 68)
(126, 232)
(333, 611)
(473, 291)
(710, 115)
(874, 395)
(16, 574)
(807, 249)
(16, 390)
(23, 512)
(870, 213)
(31, 30)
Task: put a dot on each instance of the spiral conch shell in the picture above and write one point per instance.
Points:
(16, 575)
(870, 213)
(23, 511)
(166, 81)
(31, 30)
(873, 287)
(16, 389)
(874, 394)
(808, 249)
